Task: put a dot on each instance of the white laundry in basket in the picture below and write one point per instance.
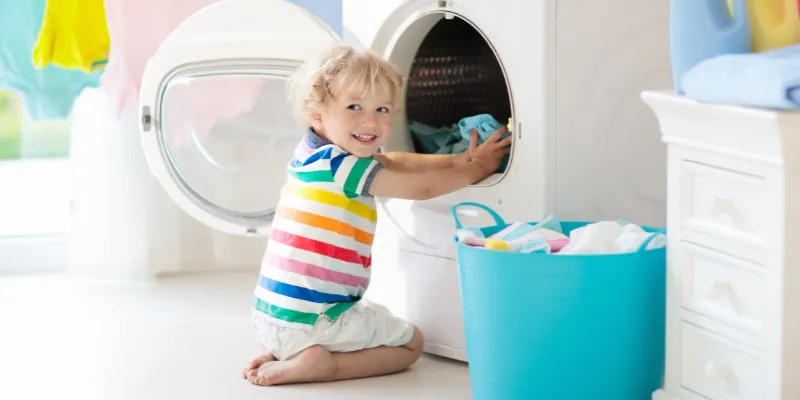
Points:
(610, 237)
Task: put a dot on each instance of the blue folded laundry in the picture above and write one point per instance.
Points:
(767, 80)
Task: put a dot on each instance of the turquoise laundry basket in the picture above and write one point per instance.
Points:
(562, 327)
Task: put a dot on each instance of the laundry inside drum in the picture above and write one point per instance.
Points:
(455, 84)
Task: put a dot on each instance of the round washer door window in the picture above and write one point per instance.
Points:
(227, 139)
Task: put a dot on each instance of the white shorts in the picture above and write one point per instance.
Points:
(363, 326)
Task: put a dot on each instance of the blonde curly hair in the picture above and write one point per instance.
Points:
(338, 70)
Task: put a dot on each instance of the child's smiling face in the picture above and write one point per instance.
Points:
(358, 122)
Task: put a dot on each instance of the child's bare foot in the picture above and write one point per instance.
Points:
(257, 362)
(314, 364)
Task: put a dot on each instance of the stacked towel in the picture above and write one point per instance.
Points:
(769, 79)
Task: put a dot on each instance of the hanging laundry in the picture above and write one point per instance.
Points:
(136, 28)
(74, 35)
(769, 79)
(47, 93)
(455, 140)
(192, 105)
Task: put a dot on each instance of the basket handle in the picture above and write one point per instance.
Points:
(497, 218)
(643, 246)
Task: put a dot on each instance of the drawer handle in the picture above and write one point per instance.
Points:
(721, 372)
(719, 289)
(726, 207)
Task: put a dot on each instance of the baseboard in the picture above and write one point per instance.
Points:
(444, 351)
(36, 253)
(662, 394)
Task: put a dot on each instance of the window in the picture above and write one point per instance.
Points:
(21, 138)
(34, 196)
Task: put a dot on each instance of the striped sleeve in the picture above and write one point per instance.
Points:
(353, 174)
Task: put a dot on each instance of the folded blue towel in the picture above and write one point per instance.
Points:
(769, 79)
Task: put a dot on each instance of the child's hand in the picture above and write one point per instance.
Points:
(489, 155)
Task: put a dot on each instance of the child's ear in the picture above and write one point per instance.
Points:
(316, 120)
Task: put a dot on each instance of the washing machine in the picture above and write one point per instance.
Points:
(218, 131)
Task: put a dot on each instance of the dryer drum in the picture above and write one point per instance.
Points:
(455, 74)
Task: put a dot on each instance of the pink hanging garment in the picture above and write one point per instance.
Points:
(136, 29)
(192, 109)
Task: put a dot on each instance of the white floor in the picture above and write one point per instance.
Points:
(178, 338)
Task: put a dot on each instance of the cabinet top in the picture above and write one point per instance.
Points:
(762, 134)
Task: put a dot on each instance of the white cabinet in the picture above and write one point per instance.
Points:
(733, 222)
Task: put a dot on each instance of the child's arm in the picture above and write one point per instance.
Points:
(484, 160)
(415, 162)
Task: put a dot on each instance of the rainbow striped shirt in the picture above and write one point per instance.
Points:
(320, 250)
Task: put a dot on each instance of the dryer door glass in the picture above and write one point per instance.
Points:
(226, 136)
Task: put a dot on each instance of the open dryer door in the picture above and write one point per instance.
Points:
(216, 127)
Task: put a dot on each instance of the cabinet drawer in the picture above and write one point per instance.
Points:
(725, 204)
(722, 287)
(719, 368)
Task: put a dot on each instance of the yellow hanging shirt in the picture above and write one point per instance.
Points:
(74, 35)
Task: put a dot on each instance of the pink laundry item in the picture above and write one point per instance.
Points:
(557, 244)
(136, 29)
(195, 107)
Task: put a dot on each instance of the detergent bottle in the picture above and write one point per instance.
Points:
(773, 24)
(701, 29)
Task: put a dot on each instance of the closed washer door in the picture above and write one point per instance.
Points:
(217, 129)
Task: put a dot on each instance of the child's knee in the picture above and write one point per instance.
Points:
(417, 341)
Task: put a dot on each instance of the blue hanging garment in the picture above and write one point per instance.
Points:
(47, 93)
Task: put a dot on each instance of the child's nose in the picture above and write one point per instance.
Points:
(369, 120)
